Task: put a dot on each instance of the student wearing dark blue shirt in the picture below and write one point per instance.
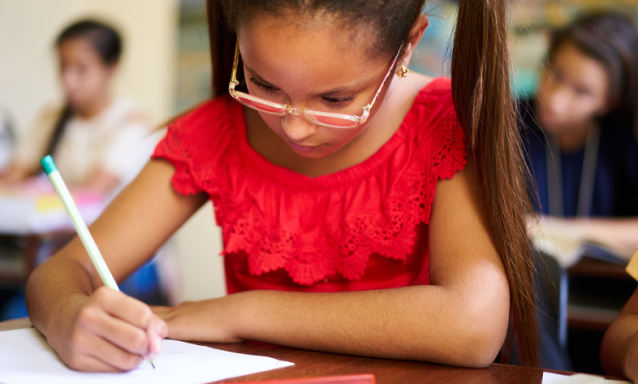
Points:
(580, 136)
(580, 132)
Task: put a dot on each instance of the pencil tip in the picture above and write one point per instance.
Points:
(153, 365)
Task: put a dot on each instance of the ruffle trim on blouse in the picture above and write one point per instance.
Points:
(272, 241)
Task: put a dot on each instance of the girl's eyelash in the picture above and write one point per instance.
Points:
(337, 102)
(269, 89)
(332, 102)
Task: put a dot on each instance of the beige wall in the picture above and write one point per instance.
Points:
(199, 243)
(149, 27)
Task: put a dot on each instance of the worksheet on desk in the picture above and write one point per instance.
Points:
(26, 357)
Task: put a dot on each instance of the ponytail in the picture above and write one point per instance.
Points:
(483, 102)
(58, 129)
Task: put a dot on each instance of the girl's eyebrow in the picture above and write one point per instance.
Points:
(350, 89)
(261, 79)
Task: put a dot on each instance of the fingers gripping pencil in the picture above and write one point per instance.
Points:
(80, 226)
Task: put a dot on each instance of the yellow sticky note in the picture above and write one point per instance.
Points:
(47, 203)
(632, 267)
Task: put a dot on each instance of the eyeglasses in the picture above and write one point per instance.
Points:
(327, 119)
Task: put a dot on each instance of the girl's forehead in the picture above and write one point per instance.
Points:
(78, 48)
(317, 49)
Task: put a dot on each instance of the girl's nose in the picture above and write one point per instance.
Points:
(297, 128)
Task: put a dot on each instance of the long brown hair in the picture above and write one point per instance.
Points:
(483, 103)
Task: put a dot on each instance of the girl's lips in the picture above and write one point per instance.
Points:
(301, 148)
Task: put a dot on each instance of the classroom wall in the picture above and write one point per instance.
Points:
(199, 243)
(28, 81)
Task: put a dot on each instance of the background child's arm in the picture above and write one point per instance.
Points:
(619, 349)
(100, 329)
(460, 319)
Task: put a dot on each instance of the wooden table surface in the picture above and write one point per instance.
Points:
(314, 364)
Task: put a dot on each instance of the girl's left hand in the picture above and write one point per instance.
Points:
(209, 320)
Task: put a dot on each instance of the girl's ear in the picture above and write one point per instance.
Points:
(416, 33)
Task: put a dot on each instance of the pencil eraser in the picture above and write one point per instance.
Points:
(48, 164)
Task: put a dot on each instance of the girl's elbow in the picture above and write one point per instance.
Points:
(479, 345)
(481, 350)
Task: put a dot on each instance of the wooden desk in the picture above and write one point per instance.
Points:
(313, 364)
(602, 288)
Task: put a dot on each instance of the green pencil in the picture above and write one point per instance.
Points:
(80, 226)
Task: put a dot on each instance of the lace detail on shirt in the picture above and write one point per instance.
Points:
(346, 251)
(180, 156)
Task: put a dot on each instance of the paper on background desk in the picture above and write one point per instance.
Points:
(25, 357)
(567, 244)
(579, 378)
(35, 208)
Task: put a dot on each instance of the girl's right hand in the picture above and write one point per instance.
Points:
(108, 332)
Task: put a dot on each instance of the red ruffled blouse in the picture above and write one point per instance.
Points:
(364, 227)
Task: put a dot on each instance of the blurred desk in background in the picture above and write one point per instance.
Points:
(598, 290)
(34, 225)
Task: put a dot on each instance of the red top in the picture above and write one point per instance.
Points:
(355, 229)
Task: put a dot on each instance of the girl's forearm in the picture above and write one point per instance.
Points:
(619, 349)
(426, 323)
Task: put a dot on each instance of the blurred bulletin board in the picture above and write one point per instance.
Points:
(530, 24)
(193, 59)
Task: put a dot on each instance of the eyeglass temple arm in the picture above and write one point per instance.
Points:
(233, 76)
(367, 108)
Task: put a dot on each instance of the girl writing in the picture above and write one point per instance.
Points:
(363, 211)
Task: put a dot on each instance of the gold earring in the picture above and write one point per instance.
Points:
(403, 71)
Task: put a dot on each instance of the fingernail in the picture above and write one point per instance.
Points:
(157, 344)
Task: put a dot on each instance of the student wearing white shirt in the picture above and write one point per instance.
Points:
(99, 141)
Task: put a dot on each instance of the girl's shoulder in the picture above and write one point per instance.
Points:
(201, 138)
(432, 106)
(210, 124)
(431, 122)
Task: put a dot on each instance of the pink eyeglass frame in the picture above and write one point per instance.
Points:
(307, 113)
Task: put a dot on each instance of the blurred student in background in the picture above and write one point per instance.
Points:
(99, 141)
(96, 139)
(580, 130)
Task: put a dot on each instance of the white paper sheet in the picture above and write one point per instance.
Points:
(579, 378)
(26, 357)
